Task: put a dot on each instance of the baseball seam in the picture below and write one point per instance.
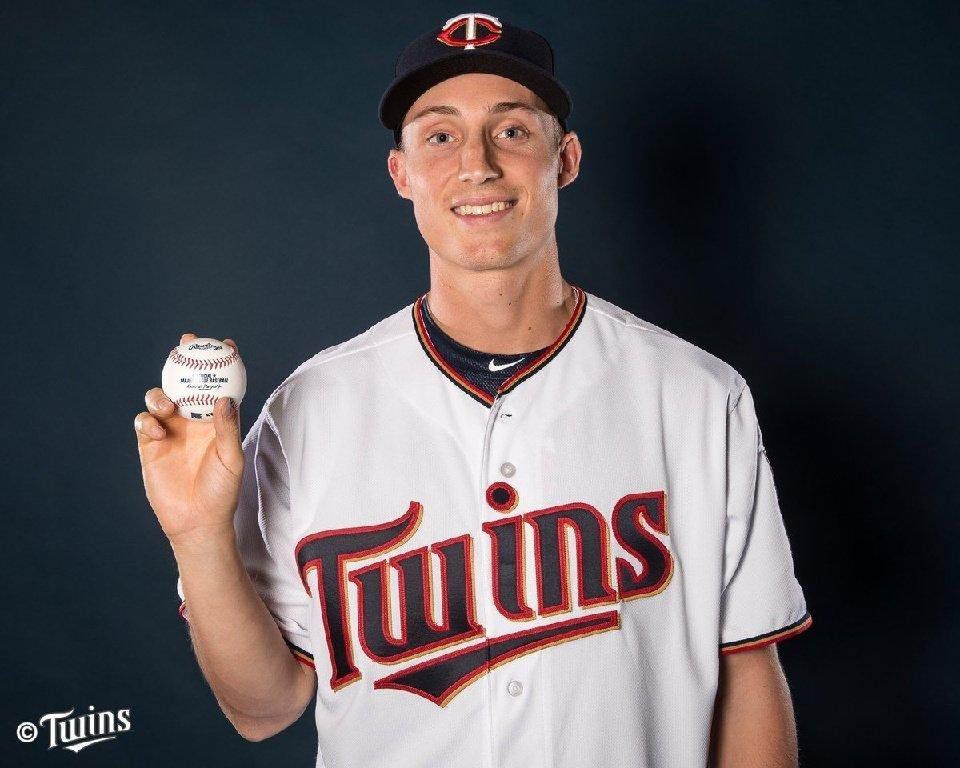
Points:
(206, 399)
(190, 362)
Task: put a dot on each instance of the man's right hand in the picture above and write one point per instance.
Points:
(191, 469)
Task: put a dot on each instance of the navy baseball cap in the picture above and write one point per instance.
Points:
(473, 42)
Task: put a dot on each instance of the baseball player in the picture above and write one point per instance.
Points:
(511, 524)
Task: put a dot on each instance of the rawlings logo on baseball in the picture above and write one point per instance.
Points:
(199, 372)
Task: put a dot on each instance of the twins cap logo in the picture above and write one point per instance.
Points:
(492, 29)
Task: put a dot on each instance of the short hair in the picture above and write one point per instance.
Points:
(555, 128)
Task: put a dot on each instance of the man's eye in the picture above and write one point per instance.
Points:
(515, 128)
(438, 133)
(430, 139)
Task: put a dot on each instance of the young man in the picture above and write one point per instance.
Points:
(510, 524)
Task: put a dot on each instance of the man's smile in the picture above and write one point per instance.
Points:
(480, 210)
(486, 212)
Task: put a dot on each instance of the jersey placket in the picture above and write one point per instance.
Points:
(513, 695)
(512, 680)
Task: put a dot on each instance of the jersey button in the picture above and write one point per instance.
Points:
(514, 688)
(507, 469)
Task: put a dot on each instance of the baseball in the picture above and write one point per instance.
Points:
(198, 372)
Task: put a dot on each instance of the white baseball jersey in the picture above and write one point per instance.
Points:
(545, 578)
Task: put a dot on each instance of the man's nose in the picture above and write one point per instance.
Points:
(477, 161)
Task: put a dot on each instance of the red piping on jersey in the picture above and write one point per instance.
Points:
(520, 375)
(776, 636)
(434, 354)
(538, 362)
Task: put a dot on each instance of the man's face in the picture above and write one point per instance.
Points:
(466, 142)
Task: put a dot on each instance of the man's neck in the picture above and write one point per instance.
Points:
(501, 311)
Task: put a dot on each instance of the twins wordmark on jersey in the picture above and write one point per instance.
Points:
(328, 555)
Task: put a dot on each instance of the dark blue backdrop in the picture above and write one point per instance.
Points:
(775, 182)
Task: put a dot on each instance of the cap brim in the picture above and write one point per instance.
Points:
(404, 91)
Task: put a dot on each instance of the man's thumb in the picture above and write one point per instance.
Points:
(226, 423)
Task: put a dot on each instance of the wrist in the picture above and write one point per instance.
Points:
(203, 540)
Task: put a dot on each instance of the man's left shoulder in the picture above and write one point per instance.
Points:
(658, 351)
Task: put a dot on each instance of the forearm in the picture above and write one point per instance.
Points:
(238, 645)
(754, 724)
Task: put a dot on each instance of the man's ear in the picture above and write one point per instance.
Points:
(396, 166)
(570, 153)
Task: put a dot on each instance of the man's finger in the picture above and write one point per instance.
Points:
(158, 404)
(148, 429)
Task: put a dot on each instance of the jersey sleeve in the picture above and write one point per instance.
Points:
(762, 601)
(264, 528)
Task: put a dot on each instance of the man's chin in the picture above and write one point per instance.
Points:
(482, 259)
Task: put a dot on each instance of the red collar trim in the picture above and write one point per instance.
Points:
(520, 375)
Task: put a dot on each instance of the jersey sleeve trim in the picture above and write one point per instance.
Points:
(304, 657)
(751, 643)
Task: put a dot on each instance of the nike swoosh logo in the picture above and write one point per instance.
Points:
(494, 367)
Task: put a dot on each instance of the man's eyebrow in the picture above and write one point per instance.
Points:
(501, 106)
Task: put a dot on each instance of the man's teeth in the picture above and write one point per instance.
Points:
(481, 210)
